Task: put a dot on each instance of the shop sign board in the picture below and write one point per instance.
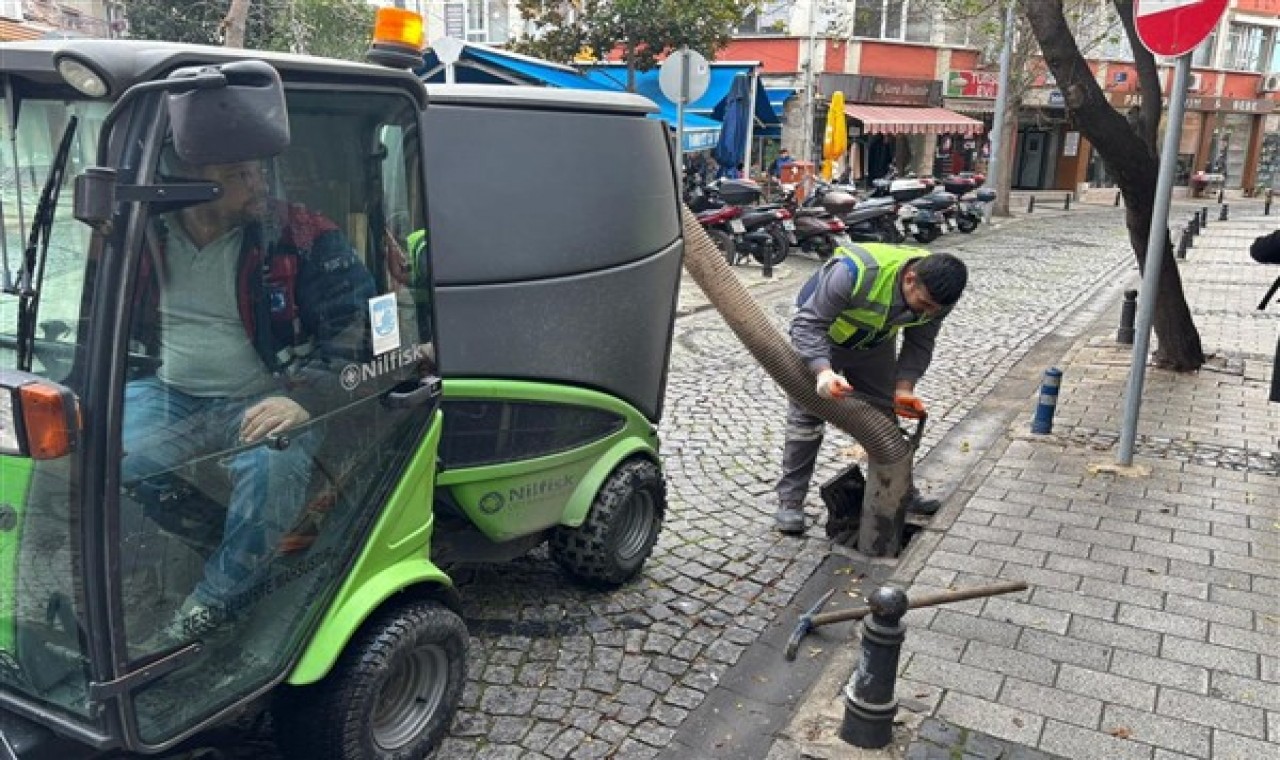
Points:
(1199, 103)
(1175, 27)
(964, 83)
(888, 91)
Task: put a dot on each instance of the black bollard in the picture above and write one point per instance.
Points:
(1193, 225)
(1066, 202)
(1204, 217)
(869, 703)
(766, 268)
(1266, 203)
(1128, 314)
(1117, 203)
(1224, 212)
(1031, 204)
(1221, 190)
(1184, 241)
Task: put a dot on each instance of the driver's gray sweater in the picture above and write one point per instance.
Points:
(833, 295)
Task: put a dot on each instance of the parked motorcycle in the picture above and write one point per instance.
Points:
(969, 208)
(934, 215)
(870, 221)
(762, 233)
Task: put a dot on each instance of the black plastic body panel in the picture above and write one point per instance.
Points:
(609, 330)
(556, 246)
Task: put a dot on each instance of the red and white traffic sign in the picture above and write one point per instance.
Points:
(1174, 27)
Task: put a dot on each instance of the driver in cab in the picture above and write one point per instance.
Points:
(244, 300)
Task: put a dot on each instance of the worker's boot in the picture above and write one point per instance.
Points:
(789, 518)
(917, 504)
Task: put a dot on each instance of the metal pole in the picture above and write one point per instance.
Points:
(684, 95)
(809, 79)
(1156, 239)
(1002, 104)
(751, 122)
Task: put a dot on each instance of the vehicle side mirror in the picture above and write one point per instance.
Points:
(227, 114)
(39, 418)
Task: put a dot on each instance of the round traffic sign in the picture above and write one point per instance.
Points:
(1175, 27)
(671, 76)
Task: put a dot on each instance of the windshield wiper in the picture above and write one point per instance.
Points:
(34, 256)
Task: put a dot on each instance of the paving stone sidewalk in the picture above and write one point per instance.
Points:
(1151, 628)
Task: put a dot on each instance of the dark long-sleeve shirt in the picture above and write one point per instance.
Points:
(832, 296)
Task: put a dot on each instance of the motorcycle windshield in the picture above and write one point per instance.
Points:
(46, 274)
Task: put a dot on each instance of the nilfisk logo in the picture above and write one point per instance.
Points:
(353, 375)
(494, 501)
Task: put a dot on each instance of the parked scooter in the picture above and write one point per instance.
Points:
(969, 208)
(818, 227)
(934, 215)
(869, 221)
(762, 233)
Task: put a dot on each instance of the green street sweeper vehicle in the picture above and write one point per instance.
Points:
(281, 339)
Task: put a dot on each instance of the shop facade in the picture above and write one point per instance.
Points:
(1225, 139)
(899, 124)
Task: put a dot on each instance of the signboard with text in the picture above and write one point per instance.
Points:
(1199, 103)
(973, 84)
(1175, 27)
(889, 91)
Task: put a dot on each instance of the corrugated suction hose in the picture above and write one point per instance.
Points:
(871, 427)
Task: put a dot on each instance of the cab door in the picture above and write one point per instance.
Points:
(289, 377)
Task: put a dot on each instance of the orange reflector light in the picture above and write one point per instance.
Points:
(49, 433)
(397, 26)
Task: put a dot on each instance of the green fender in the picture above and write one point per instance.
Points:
(579, 503)
(341, 622)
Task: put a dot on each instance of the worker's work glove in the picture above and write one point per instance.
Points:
(832, 384)
(908, 406)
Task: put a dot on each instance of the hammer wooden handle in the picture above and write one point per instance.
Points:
(928, 600)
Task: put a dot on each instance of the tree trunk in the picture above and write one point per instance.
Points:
(235, 23)
(1003, 180)
(1129, 152)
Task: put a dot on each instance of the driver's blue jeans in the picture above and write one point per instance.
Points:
(165, 428)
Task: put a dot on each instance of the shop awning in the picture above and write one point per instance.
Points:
(904, 120)
(711, 104)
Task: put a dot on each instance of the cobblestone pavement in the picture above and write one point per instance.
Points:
(558, 671)
(561, 671)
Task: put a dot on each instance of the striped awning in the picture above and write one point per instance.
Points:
(904, 120)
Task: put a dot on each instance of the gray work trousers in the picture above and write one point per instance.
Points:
(871, 373)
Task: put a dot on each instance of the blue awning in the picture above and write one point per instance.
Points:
(778, 97)
(480, 64)
(710, 104)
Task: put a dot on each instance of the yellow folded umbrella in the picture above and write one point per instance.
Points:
(835, 140)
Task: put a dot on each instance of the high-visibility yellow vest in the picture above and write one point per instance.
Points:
(876, 267)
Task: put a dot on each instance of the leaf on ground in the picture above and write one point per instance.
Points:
(815, 651)
(1018, 722)
(965, 447)
(1121, 732)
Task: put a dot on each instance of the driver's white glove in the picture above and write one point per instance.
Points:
(832, 384)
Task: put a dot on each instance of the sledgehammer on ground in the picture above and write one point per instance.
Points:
(812, 619)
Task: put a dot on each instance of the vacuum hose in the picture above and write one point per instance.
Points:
(870, 426)
(882, 517)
